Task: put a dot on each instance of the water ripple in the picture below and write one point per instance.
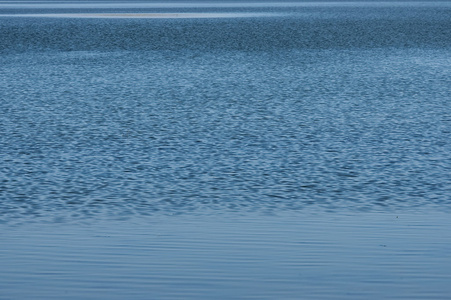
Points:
(112, 118)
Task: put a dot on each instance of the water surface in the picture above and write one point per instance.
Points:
(251, 150)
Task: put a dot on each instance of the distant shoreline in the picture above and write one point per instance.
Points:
(141, 15)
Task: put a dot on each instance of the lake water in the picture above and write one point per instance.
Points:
(225, 150)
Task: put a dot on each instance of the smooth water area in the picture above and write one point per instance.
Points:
(289, 150)
(289, 256)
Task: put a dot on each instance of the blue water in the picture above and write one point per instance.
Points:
(239, 129)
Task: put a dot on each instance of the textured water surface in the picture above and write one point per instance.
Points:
(330, 108)
(251, 150)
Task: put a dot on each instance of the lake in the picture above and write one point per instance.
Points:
(226, 150)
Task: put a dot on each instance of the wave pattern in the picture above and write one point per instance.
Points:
(324, 110)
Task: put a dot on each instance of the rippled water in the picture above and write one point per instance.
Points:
(225, 111)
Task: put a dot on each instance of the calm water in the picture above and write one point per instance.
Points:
(225, 150)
